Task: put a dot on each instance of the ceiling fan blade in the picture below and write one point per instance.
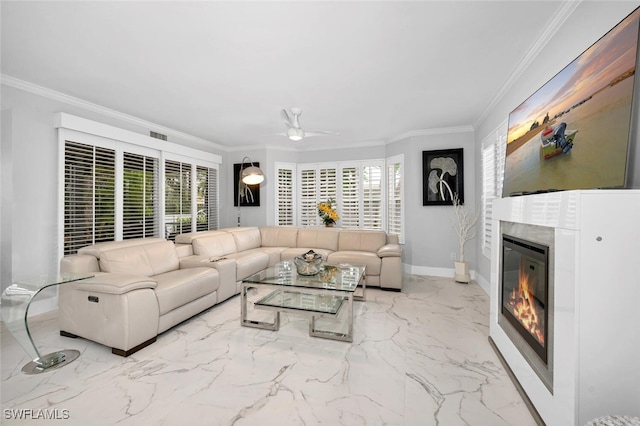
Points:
(286, 118)
(320, 133)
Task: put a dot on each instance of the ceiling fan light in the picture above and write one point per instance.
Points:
(295, 134)
(252, 175)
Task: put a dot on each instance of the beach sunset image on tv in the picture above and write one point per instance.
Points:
(573, 133)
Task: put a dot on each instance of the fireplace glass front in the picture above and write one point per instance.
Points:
(525, 295)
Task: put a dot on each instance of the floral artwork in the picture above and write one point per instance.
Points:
(328, 213)
(442, 175)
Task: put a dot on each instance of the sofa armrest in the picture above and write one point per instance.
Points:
(79, 263)
(390, 250)
(198, 261)
(112, 283)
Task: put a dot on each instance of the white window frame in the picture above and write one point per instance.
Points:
(391, 162)
(89, 132)
(292, 168)
(492, 162)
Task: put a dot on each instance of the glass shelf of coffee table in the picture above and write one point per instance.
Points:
(15, 303)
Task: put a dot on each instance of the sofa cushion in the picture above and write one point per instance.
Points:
(362, 240)
(177, 288)
(278, 236)
(290, 253)
(148, 259)
(370, 260)
(217, 244)
(318, 238)
(246, 238)
(249, 262)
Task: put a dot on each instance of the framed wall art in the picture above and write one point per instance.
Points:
(442, 176)
(249, 194)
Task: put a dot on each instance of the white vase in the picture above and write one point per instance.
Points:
(462, 272)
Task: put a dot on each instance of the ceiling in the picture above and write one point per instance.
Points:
(223, 71)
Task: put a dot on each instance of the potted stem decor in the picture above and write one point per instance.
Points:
(463, 223)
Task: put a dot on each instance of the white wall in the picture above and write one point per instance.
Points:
(589, 21)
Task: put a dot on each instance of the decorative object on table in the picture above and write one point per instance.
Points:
(309, 263)
(328, 213)
(247, 178)
(442, 175)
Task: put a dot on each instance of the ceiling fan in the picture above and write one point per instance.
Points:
(294, 131)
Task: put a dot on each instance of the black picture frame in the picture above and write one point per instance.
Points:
(250, 194)
(442, 168)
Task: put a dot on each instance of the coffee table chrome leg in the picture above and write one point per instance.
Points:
(274, 326)
(325, 334)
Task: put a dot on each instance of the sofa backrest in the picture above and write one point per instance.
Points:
(96, 250)
(246, 238)
(216, 244)
(318, 238)
(352, 240)
(278, 236)
(146, 259)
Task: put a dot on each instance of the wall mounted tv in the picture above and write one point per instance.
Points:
(574, 132)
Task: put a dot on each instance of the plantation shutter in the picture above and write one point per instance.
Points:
(285, 195)
(308, 198)
(177, 208)
(207, 206)
(493, 153)
(89, 195)
(349, 207)
(372, 197)
(140, 196)
(394, 197)
(327, 185)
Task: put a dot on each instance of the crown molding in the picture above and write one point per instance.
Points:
(430, 132)
(566, 10)
(70, 100)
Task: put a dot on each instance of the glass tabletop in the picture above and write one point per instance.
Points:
(342, 277)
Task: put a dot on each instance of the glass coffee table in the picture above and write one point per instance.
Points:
(329, 294)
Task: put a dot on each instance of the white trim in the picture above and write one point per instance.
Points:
(70, 100)
(72, 122)
(429, 132)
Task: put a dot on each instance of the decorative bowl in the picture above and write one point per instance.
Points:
(309, 263)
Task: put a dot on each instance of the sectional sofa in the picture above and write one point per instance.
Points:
(143, 287)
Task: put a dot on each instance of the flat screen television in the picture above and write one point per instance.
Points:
(574, 132)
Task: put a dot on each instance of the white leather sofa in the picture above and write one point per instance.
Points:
(254, 249)
(139, 290)
(143, 287)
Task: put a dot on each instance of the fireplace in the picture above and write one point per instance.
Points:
(526, 308)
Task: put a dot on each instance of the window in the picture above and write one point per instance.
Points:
(177, 198)
(89, 195)
(493, 153)
(207, 198)
(140, 196)
(358, 189)
(395, 172)
(285, 212)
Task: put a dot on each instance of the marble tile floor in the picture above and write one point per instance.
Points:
(419, 357)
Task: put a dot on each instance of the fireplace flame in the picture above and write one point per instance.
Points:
(524, 308)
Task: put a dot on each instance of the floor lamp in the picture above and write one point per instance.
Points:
(251, 175)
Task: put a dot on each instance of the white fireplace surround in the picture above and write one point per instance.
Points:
(596, 273)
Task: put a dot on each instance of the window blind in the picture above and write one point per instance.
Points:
(372, 197)
(285, 196)
(89, 195)
(394, 197)
(177, 209)
(140, 196)
(207, 206)
(493, 153)
(349, 204)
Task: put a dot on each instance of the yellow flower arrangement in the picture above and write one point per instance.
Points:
(327, 213)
